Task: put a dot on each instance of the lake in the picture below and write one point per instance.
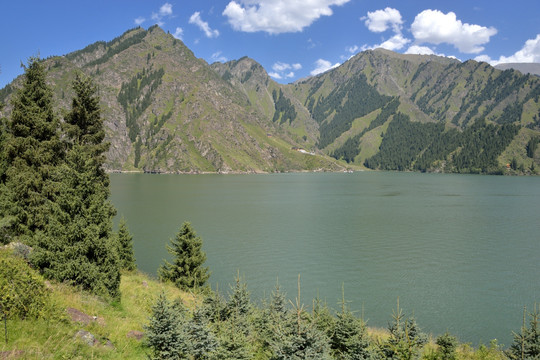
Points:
(460, 251)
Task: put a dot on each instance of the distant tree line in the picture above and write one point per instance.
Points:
(113, 47)
(410, 145)
(402, 143)
(351, 148)
(135, 96)
(284, 109)
(348, 102)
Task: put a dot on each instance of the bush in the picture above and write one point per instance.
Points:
(22, 290)
(164, 333)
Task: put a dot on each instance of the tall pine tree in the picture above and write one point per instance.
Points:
(186, 270)
(32, 149)
(79, 245)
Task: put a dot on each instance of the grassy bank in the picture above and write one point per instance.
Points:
(114, 324)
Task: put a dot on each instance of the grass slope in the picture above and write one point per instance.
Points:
(53, 336)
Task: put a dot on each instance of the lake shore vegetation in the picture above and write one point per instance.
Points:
(156, 319)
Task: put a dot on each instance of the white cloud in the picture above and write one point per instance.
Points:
(203, 25)
(275, 75)
(486, 58)
(529, 53)
(179, 33)
(322, 65)
(382, 20)
(420, 50)
(139, 20)
(277, 16)
(280, 68)
(352, 49)
(218, 56)
(396, 42)
(434, 27)
(165, 9)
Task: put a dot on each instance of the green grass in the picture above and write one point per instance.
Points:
(517, 150)
(370, 143)
(53, 336)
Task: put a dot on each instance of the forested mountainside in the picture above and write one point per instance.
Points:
(167, 111)
(428, 113)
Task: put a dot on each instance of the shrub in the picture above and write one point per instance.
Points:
(22, 290)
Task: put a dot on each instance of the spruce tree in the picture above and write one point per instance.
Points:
(215, 307)
(125, 243)
(84, 126)
(31, 150)
(349, 340)
(186, 270)
(405, 339)
(234, 342)
(5, 221)
(526, 344)
(447, 346)
(202, 343)
(297, 338)
(239, 304)
(79, 245)
(271, 317)
(164, 332)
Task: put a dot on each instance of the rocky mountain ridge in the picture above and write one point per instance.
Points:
(167, 111)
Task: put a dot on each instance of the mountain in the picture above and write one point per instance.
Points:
(167, 111)
(524, 68)
(415, 112)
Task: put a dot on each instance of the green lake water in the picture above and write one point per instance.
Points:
(460, 251)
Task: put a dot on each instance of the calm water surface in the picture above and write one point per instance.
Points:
(460, 251)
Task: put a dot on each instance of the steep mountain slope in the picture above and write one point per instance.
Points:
(167, 111)
(355, 103)
(274, 101)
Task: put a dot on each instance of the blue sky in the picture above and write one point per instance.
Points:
(292, 39)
